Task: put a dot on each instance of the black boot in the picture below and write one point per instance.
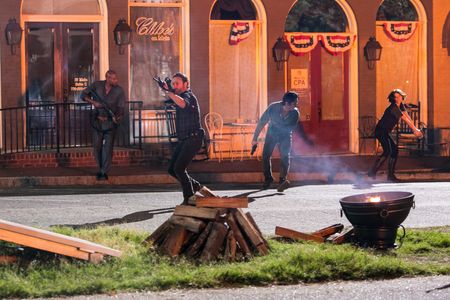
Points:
(391, 170)
(376, 166)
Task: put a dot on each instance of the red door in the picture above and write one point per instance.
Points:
(323, 101)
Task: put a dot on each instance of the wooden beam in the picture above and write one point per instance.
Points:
(191, 224)
(29, 236)
(222, 202)
(158, 235)
(296, 235)
(174, 241)
(231, 221)
(250, 231)
(215, 241)
(327, 231)
(206, 192)
(345, 235)
(196, 212)
(194, 248)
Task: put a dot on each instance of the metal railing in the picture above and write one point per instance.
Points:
(54, 126)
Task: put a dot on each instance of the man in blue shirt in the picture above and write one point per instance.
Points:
(283, 117)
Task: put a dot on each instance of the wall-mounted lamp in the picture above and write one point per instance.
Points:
(281, 51)
(13, 34)
(372, 52)
(122, 35)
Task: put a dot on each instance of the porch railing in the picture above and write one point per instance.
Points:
(54, 126)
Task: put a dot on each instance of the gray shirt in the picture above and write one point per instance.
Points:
(279, 125)
(115, 99)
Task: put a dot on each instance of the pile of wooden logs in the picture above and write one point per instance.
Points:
(215, 228)
(335, 234)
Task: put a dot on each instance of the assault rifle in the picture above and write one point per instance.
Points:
(95, 122)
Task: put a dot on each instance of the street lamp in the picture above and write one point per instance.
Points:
(372, 52)
(122, 35)
(13, 34)
(281, 51)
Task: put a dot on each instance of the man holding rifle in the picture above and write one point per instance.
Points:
(189, 132)
(108, 99)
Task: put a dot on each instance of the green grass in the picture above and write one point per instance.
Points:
(424, 252)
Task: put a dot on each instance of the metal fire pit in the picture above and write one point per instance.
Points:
(377, 216)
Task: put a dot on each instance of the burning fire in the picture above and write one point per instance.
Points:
(374, 199)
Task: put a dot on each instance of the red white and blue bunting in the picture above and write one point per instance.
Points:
(240, 31)
(303, 42)
(399, 31)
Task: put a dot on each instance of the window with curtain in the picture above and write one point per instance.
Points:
(155, 51)
(234, 68)
(399, 63)
(60, 7)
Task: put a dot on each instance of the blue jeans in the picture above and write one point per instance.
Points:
(284, 145)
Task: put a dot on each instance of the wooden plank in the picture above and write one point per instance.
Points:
(37, 243)
(344, 236)
(296, 235)
(206, 192)
(251, 220)
(327, 231)
(238, 235)
(199, 242)
(214, 242)
(231, 246)
(222, 202)
(191, 224)
(174, 241)
(22, 230)
(250, 231)
(196, 212)
(158, 235)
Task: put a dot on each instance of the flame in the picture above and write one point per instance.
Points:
(375, 199)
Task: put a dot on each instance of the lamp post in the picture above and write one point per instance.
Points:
(122, 35)
(372, 52)
(13, 34)
(281, 51)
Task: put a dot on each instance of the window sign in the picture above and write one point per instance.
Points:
(155, 51)
(299, 79)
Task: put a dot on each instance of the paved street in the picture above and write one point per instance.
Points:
(305, 208)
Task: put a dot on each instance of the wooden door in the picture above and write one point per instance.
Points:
(323, 101)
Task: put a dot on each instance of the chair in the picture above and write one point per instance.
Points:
(214, 126)
(406, 140)
(366, 131)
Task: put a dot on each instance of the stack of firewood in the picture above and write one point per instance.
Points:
(215, 228)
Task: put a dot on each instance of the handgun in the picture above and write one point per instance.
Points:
(253, 149)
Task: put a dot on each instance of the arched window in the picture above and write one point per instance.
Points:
(316, 16)
(398, 32)
(396, 10)
(60, 7)
(233, 10)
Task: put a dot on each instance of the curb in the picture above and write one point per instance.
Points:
(246, 177)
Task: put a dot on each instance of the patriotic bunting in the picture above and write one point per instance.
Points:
(338, 43)
(302, 42)
(240, 31)
(399, 31)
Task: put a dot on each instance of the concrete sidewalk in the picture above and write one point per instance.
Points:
(324, 168)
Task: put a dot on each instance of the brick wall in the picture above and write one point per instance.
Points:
(82, 158)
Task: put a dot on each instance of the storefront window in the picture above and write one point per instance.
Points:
(155, 50)
(396, 10)
(233, 10)
(316, 16)
(60, 7)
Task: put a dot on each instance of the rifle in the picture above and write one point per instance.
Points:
(95, 122)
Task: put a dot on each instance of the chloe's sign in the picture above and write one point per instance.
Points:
(158, 31)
